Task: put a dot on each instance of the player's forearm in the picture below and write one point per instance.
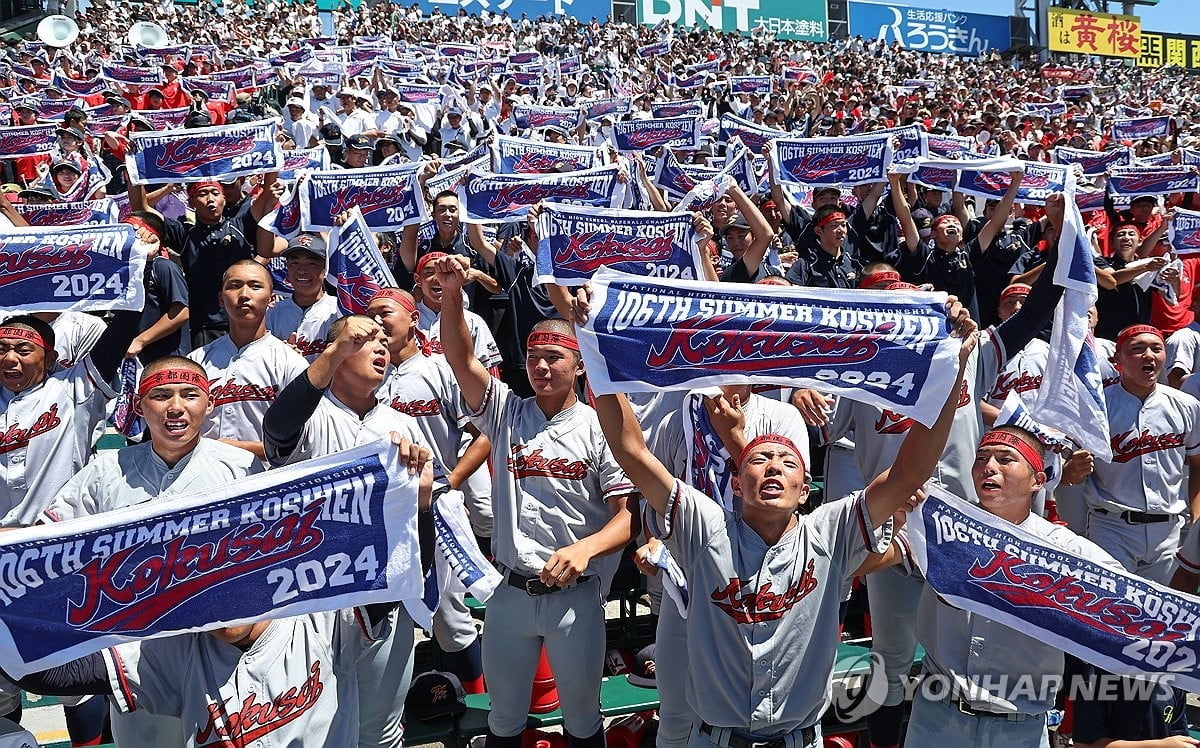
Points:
(82, 677)
(256, 447)
(476, 454)
(285, 418)
(174, 319)
(615, 534)
(459, 350)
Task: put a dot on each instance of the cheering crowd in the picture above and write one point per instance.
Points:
(243, 360)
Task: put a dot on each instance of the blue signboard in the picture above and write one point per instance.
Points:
(579, 9)
(930, 30)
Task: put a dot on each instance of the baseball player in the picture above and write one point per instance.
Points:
(559, 504)
(431, 306)
(247, 366)
(1023, 372)
(422, 386)
(765, 582)
(1137, 502)
(173, 398)
(978, 655)
(331, 406)
(303, 319)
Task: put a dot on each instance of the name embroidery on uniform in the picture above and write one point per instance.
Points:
(1015, 382)
(1126, 446)
(232, 392)
(754, 606)
(307, 347)
(537, 465)
(417, 408)
(18, 438)
(891, 422)
(256, 719)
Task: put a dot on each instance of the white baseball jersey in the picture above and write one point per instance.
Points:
(75, 334)
(245, 382)
(424, 388)
(552, 479)
(310, 325)
(879, 434)
(134, 475)
(1105, 350)
(972, 651)
(1183, 351)
(1151, 440)
(1022, 374)
(486, 349)
(46, 437)
(767, 615)
(1189, 551)
(294, 686)
(334, 427)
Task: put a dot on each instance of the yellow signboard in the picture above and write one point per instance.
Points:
(1087, 33)
(1159, 49)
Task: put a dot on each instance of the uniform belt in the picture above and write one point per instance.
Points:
(965, 707)
(1138, 518)
(808, 736)
(535, 586)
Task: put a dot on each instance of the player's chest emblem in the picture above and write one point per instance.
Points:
(18, 438)
(417, 408)
(1129, 445)
(746, 605)
(255, 719)
(230, 391)
(536, 464)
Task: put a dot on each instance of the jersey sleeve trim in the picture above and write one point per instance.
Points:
(1187, 563)
(668, 523)
(876, 541)
(619, 490)
(118, 680)
(97, 381)
(488, 394)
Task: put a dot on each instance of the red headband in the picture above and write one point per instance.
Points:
(140, 224)
(1131, 332)
(426, 259)
(883, 276)
(779, 439)
(901, 286)
(1014, 290)
(545, 337)
(772, 280)
(173, 376)
(396, 295)
(195, 187)
(941, 219)
(1024, 448)
(24, 334)
(831, 216)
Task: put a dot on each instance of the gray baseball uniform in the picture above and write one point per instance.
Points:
(486, 349)
(551, 486)
(1148, 476)
(310, 325)
(294, 686)
(245, 381)
(1022, 374)
(75, 334)
(768, 615)
(135, 475)
(1183, 351)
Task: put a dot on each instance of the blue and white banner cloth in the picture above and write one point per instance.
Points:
(217, 90)
(679, 178)
(303, 159)
(416, 93)
(911, 144)
(1141, 127)
(204, 153)
(1184, 232)
(89, 213)
(890, 349)
(1071, 398)
(285, 220)
(645, 134)
(27, 140)
(832, 161)
(1131, 181)
(499, 198)
(71, 269)
(523, 156)
(676, 109)
(947, 146)
(654, 49)
(166, 119)
(574, 242)
(242, 77)
(324, 534)
(77, 87)
(1120, 622)
(536, 117)
(131, 74)
(705, 194)
(614, 107)
(754, 136)
(388, 196)
(356, 266)
(1090, 199)
(1037, 183)
(709, 465)
(752, 84)
(695, 80)
(458, 564)
(1093, 163)
(1047, 111)
(451, 179)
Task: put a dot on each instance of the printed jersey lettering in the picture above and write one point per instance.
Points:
(231, 392)
(1011, 381)
(754, 606)
(891, 422)
(1127, 445)
(18, 438)
(255, 719)
(417, 408)
(535, 464)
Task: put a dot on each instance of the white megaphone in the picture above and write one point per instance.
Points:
(58, 31)
(147, 35)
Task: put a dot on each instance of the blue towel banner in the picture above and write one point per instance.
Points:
(204, 153)
(325, 534)
(89, 213)
(499, 198)
(645, 134)
(72, 268)
(1185, 232)
(27, 140)
(523, 156)
(1131, 181)
(388, 196)
(848, 161)
(891, 349)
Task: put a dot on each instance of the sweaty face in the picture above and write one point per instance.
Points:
(22, 364)
(369, 363)
(174, 414)
(947, 230)
(1126, 239)
(209, 202)
(552, 369)
(772, 481)
(396, 321)
(1003, 479)
(445, 214)
(246, 293)
(1141, 360)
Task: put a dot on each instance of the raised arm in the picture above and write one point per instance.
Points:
(472, 378)
(1001, 213)
(912, 238)
(624, 436)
